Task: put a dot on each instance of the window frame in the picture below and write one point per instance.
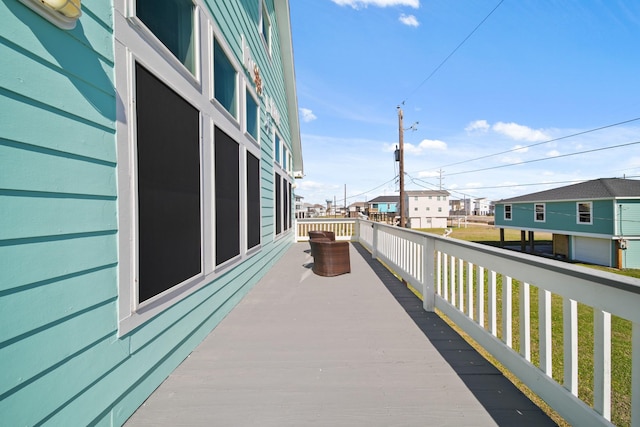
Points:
(134, 43)
(508, 212)
(249, 93)
(579, 214)
(536, 213)
(195, 76)
(224, 48)
(266, 38)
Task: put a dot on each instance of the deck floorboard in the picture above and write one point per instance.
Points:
(350, 350)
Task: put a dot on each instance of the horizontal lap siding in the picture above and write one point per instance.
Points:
(58, 216)
(59, 226)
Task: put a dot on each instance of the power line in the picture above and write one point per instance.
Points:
(543, 142)
(373, 189)
(453, 51)
(547, 158)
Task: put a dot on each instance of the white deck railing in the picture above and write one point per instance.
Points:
(462, 279)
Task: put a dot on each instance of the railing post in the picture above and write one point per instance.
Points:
(428, 266)
(374, 243)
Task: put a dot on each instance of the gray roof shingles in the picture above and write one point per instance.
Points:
(602, 188)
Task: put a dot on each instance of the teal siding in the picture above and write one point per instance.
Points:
(628, 220)
(559, 217)
(631, 256)
(64, 361)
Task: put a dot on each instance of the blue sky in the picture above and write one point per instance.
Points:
(488, 96)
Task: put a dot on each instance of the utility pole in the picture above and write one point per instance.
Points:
(401, 161)
(440, 171)
(346, 211)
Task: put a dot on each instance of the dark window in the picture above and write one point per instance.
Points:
(253, 201)
(224, 84)
(172, 24)
(507, 212)
(252, 116)
(539, 212)
(278, 185)
(584, 213)
(168, 150)
(289, 196)
(227, 176)
(287, 204)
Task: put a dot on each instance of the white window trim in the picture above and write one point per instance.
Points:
(269, 38)
(250, 91)
(544, 212)
(150, 38)
(134, 43)
(590, 213)
(510, 212)
(239, 96)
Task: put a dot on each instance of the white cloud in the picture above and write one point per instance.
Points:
(519, 132)
(358, 4)
(409, 20)
(307, 115)
(553, 153)
(425, 145)
(478, 125)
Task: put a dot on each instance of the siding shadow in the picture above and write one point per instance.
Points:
(504, 402)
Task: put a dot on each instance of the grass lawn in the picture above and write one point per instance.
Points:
(620, 332)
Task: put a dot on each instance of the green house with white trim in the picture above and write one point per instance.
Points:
(148, 150)
(596, 221)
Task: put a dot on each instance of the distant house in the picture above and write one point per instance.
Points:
(357, 209)
(427, 209)
(383, 208)
(595, 221)
(482, 206)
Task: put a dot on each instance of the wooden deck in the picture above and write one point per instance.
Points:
(351, 350)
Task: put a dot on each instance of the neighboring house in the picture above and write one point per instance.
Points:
(383, 208)
(482, 206)
(427, 209)
(148, 156)
(357, 209)
(595, 221)
(300, 211)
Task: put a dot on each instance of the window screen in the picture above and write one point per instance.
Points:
(168, 151)
(278, 185)
(227, 176)
(253, 201)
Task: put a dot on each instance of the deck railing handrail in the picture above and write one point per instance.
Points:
(451, 275)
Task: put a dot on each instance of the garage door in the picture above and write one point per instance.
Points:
(595, 251)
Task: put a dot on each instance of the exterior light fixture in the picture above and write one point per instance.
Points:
(62, 13)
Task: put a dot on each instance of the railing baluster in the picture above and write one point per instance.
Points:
(507, 333)
(452, 280)
(570, 335)
(460, 284)
(470, 302)
(602, 363)
(525, 321)
(493, 306)
(480, 298)
(544, 307)
(445, 277)
(438, 272)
